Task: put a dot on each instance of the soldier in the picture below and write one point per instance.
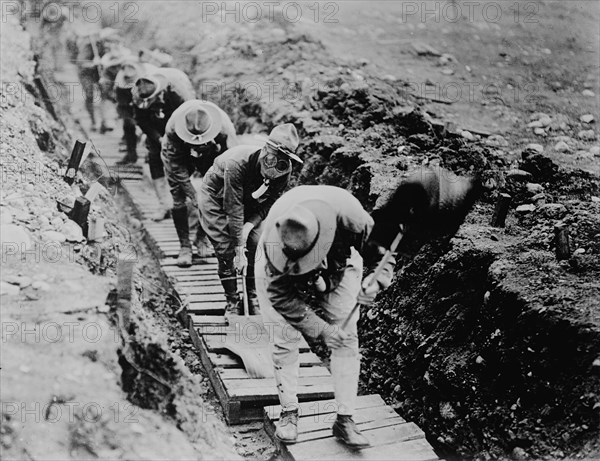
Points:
(235, 196)
(197, 132)
(90, 49)
(312, 239)
(155, 97)
(130, 70)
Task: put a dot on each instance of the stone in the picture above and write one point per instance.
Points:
(595, 150)
(467, 135)
(497, 141)
(562, 146)
(545, 121)
(72, 232)
(539, 132)
(6, 217)
(20, 280)
(9, 289)
(579, 251)
(14, 238)
(41, 285)
(589, 93)
(518, 454)
(448, 71)
(534, 188)
(54, 236)
(525, 209)
(518, 175)
(537, 148)
(535, 124)
(588, 135)
(553, 210)
(587, 118)
(546, 51)
(539, 199)
(595, 199)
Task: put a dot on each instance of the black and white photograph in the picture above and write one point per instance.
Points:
(300, 230)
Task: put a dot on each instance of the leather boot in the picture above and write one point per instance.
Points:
(346, 431)
(287, 428)
(231, 294)
(165, 200)
(253, 306)
(183, 232)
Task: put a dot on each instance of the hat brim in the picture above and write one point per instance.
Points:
(210, 134)
(327, 218)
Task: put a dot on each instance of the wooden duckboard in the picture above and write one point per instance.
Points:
(391, 437)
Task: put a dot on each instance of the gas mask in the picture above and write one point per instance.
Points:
(273, 165)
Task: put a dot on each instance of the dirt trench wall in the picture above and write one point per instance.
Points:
(73, 385)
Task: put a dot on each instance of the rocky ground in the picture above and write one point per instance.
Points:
(486, 340)
(75, 385)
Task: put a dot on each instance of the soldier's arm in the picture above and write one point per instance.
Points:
(233, 200)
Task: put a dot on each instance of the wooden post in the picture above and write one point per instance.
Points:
(561, 242)
(74, 162)
(80, 212)
(501, 210)
(125, 266)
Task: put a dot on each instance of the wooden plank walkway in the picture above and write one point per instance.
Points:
(391, 437)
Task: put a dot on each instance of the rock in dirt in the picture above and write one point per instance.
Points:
(553, 210)
(54, 236)
(467, 135)
(539, 132)
(518, 454)
(72, 232)
(588, 93)
(587, 118)
(518, 175)
(40, 285)
(562, 146)
(20, 280)
(525, 209)
(587, 135)
(6, 217)
(535, 148)
(14, 238)
(496, 140)
(9, 289)
(595, 150)
(534, 188)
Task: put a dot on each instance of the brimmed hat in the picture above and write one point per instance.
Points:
(301, 238)
(285, 138)
(197, 122)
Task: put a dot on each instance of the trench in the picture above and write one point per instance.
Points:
(460, 365)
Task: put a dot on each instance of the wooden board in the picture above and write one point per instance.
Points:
(390, 436)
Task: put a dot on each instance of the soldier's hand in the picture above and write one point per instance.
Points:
(337, 338)
(368, 291)
(240, 261)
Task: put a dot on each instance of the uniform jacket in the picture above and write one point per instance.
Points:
(232, 179)
(289, 294)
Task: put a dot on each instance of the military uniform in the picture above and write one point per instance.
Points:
(290, 297)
